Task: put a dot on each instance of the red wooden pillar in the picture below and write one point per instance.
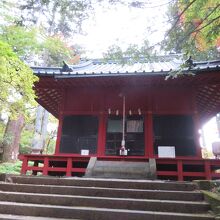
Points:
(46, 165)
(102, 134)
(148, 129)
(24, 165)
(69, 167)
(208, 175)
(180, 170)
(60, 125)
(59, 133)
(196, 126)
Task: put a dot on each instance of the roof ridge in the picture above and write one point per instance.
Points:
(163, 58)
(49, 68)
(96, 67)
(207, 62)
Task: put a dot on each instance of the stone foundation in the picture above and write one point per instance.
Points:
(121, 169)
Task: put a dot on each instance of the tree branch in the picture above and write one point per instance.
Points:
(211, 21)
(179, 16)
(197, 30)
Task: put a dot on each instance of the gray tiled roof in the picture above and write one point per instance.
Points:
(98, 68)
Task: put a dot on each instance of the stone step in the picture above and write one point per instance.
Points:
(103, 192)
(108, 183)
(22, 217)
(106, 202)
(90, 213)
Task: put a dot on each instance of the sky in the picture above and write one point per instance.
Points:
(122, 25)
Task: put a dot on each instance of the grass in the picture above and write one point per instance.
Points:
(10, 168)
(214, 201)
(211, 192)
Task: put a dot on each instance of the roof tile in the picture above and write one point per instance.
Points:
(95, 67)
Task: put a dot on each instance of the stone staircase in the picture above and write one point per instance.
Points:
(37, 198)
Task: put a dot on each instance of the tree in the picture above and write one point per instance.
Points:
(16, 82)
(27, 42)
(55, 50)
(16, 95)
(133, 53)
(22, 40)
(40, 131)
(32, 37)
(57, 16)
(11, 139)
(194, 28)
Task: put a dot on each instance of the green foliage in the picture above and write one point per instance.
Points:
(213, 198)
(208, 14)
(132, 54)
(50, 142)
(207, 154)
(17, 79)
(194, 28)
(55, 51)
(11, 168)
(50, 146)
(57, 16)
(211, 191)
(2, 130)
(31, 39)
(22, 40)
(29, 42)
(25, 142)
(16, 82)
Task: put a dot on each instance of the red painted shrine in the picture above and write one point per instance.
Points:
(100, 104)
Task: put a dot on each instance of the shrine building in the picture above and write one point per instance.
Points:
(129, 113)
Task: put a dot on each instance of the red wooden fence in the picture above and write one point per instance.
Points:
(188, 169)
(171, 169)
(53, 164)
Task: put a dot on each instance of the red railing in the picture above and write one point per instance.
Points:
(63, 165)
(188, 169)
(167, 168)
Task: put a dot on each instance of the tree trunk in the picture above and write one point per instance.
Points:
(40, 131)
(44, 128)
(36, 143)
(11, 139)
